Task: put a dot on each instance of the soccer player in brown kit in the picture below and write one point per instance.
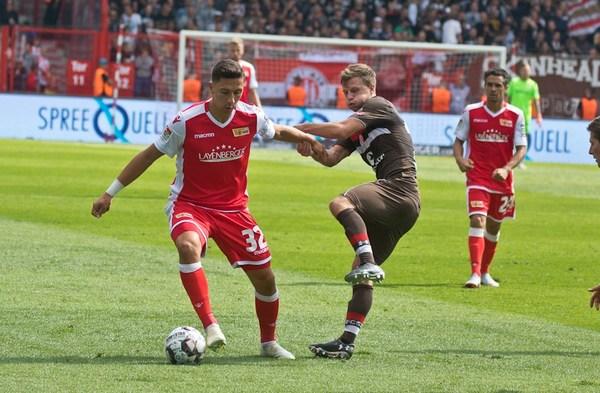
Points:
(374, 215)
(208, 199)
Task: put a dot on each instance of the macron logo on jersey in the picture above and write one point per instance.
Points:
(222, 153)
(492, 135)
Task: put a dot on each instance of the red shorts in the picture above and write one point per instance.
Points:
(236, 233)
(495, 206)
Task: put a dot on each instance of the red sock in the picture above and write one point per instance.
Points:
(476, 247)
(267, 308)
(488, 252)
(195, 284)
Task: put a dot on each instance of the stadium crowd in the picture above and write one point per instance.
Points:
(537, 26)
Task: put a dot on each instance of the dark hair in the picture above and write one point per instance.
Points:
(594, 128)
(227, 69)
(497, 72)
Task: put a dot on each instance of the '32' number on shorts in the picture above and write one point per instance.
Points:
(250, 237)
(506, 202)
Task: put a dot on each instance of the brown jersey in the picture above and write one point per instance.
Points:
(385, 143)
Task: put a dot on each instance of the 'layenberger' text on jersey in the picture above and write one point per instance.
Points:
(491, 139)
(212, 157)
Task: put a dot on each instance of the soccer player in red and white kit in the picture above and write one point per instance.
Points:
(496, 143)
(208, 197)
(250, 93)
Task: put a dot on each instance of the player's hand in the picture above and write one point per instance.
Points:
(465, 165)
(500, 174)
(317, 148)
(101, 205)
(595, 299)
(304, 149)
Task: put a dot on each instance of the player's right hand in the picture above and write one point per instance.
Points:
(304, 149)
(465, 165)
(101, 205)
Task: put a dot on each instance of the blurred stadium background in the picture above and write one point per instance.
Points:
(419, 48)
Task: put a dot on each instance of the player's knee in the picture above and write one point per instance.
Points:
(338, 204)
(188, 247)
(477, 221)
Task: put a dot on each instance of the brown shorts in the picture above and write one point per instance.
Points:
(389, 208)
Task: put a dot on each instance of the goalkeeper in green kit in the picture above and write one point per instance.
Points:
(522, 90)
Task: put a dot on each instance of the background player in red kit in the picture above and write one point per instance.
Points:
(208, 198)
(250, 93)
(496, 143)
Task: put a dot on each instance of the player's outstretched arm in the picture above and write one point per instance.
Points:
(336, 130)
(463, 164)
(294, 135)
(595, 299)
(130, 172)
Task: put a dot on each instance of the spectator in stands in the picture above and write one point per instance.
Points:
(440, 98)
(205, 16)
(113, 20)
(28, 57)
(250, 93)
(459, 93)
(20, 79)
(192, 88)
(588, 106)
(8, 14)
(44, 75)
(131, 20)
(103, 85)
(52, 12)
(165, 20)
(296, 94)
(31, 83)
(147, 15)
(451, 29)
(144, 67)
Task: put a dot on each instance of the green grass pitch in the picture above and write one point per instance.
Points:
(85, 304)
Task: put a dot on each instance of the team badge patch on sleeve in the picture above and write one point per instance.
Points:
(166, 134)
(241, 131)
(506, 123)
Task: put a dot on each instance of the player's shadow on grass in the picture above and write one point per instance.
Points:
(499, 354)
(131, 360)
(313, 284)
(427, 285)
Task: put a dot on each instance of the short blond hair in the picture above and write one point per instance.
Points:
(237, 41)
(594, 128)
(362, 71)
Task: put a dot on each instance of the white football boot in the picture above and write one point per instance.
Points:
(272, 349)
(487, 279)
(215, 339)
(474, 281)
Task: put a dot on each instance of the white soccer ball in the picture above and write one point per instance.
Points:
(185, 345)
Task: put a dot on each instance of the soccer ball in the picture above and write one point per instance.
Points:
(185, 345)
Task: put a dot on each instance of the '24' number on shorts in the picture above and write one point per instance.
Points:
(250, 237)
(506, 203)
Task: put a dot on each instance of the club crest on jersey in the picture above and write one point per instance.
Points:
(506, 123)
(166, 134)
(240, 131)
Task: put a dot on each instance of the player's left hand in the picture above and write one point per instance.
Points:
(595, 299)
(538, 120)
(500, 174)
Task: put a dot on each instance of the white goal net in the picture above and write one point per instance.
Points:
(407, 72)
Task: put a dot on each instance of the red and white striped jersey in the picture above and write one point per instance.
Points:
(250, 81)
(212, 157)
(491, 139)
